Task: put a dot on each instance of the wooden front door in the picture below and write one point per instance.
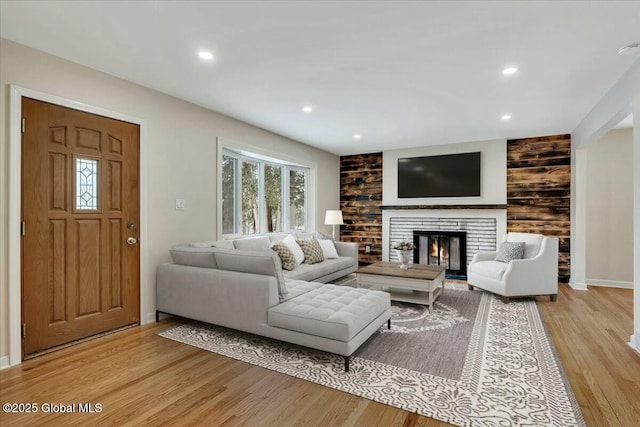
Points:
(80, 205)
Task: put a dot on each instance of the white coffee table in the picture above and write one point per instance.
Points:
(420, 284)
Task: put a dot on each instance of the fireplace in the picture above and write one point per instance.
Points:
(445, 248)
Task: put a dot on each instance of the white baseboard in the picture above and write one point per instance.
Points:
(149, 318)
(610, 283)
(4, 362)
(634, 341)
(577, 286)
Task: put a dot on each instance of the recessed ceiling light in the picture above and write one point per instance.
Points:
(357, 136)
(506, 117)
(629, 49)
(509, 70)
(307, 108)
(203, 54)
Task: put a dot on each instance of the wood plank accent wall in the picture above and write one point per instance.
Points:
(538, 190)
(360, 202)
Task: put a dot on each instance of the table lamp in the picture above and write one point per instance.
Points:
(333, 218)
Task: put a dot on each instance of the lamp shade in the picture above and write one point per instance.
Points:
(333, 218)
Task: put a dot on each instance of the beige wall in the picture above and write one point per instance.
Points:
(493, 189)
(610, 209)
(181, 153)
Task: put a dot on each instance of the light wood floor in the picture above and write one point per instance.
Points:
(142, 379)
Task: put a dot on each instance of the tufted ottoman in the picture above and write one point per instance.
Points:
(334, 312)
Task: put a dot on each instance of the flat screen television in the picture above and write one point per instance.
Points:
(449, 175)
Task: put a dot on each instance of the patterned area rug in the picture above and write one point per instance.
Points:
(510, 375)
(434, 342)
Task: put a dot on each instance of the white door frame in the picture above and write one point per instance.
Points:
(14, 197)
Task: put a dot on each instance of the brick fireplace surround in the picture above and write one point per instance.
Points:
(484, 227)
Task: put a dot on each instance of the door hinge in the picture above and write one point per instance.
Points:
(23, 124)
(24, 330)
(22, 228)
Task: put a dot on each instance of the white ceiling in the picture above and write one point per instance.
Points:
(402, 74)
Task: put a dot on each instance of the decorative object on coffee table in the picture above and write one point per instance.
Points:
(404, 256)
(404, 249)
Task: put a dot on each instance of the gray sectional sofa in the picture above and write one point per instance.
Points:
(240, 284)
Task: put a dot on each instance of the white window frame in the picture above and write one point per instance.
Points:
(252, 153)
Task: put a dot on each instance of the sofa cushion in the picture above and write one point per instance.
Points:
(312, 272)
(330, 311)
(509, 251)
(532, 242)
(312, 250)
(266, 263)
(299, 287)
(493, 269)
(194, 256)
(286, 256)
(227, 244)
(261, 243)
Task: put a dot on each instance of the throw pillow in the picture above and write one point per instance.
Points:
(312, 250)
(290, 241)
(286, 256)
(328, 249)
(509, 251)
(532, 242)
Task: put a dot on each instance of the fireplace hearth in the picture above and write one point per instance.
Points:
(444, 248)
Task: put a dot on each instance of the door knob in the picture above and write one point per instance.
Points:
(132, 241)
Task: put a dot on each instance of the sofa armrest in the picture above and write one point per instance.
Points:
(228, 298)
(484, 256)
(537, 275)
(348, 249)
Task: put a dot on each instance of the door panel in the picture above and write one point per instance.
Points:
(79, 192)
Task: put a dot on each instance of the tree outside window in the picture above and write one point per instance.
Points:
(273, 198)
(229, 170)
(250, 197)
(297, 192)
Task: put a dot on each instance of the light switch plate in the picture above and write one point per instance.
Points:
(180, 204)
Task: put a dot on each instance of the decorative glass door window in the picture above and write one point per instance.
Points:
(86, 184)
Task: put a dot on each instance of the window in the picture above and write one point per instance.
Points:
(297, 197)
(273, 198)
(229, 170)
(260, 196)
(250, 183)
(86, 184)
